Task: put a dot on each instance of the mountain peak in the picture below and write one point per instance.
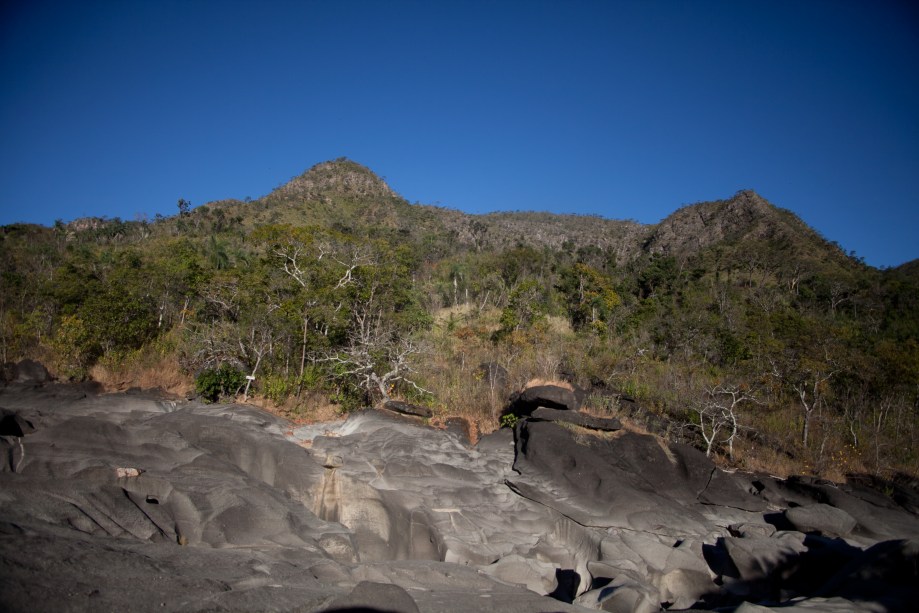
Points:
(336, 178)
(743, 218)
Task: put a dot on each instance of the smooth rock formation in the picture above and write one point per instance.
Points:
(822, 519)
(139, 502)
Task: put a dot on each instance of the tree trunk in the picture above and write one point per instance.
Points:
(306, 321)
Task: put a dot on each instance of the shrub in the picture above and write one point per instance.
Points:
(213, 384)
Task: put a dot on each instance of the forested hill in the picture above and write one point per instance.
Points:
(731, 324)
(346, 195)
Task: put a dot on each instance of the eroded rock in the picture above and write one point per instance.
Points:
(549, 396)
(405, 408)
(578, 419)
(136, 502)
(821, 518)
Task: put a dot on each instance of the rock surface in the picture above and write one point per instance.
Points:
(404, 408)
(549, 396)
(138, 502)
(577, 418)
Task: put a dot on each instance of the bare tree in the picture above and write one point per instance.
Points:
(375, 357)
(806, 370)
(711, 421)
(718, 412)
(305, 255)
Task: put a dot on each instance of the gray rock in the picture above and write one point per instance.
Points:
(373, 596)
(578, 419)
(817, 605)
(630, 481)
(30, 372)
(752, 530)
(397, 406)
(549, 396)
(821, 518)
(760, 564)
(531, 573)
(138, 502)
(627, 593)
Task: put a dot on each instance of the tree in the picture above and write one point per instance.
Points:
(375, 356)
(524, 307)
(590, 297)
(720, 411)
(805, 363)
(321, 263)
(184, 207)
(659, 274)
(380, 351)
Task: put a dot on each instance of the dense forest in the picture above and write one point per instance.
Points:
(730, 325)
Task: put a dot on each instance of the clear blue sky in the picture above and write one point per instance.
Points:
(623, 109)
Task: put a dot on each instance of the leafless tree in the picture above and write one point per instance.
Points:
(302, 254)
(719, 412)
(375, 357)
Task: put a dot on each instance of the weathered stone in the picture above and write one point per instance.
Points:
(761, 558)
(533, 574)
(578, 419)
(887, 572)
(397, 406)
(627, 593)
(549, 396)
(752, 530)
(31, 372)
(412, 518)
(372, 596)
(821, 518)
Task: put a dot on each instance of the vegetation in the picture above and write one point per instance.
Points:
(746, 334)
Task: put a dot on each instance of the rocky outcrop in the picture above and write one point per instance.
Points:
(25, 372)
(549, 396)
(405, 408)
(136, 502)
(576, 418)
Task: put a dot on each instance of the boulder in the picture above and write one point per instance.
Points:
(631, 481)
(759, 565)
(31, 372)
(533, 574)
(404, 408)
(822, 519)
(879, 516)
(373, 596)
(752, 529)
(627, 593)
(577, 418)
(678, 571)
(549, 396)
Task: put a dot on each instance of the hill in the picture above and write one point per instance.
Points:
(334, 292)
(345, 194)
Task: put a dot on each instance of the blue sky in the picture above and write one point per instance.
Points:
(624, 109)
